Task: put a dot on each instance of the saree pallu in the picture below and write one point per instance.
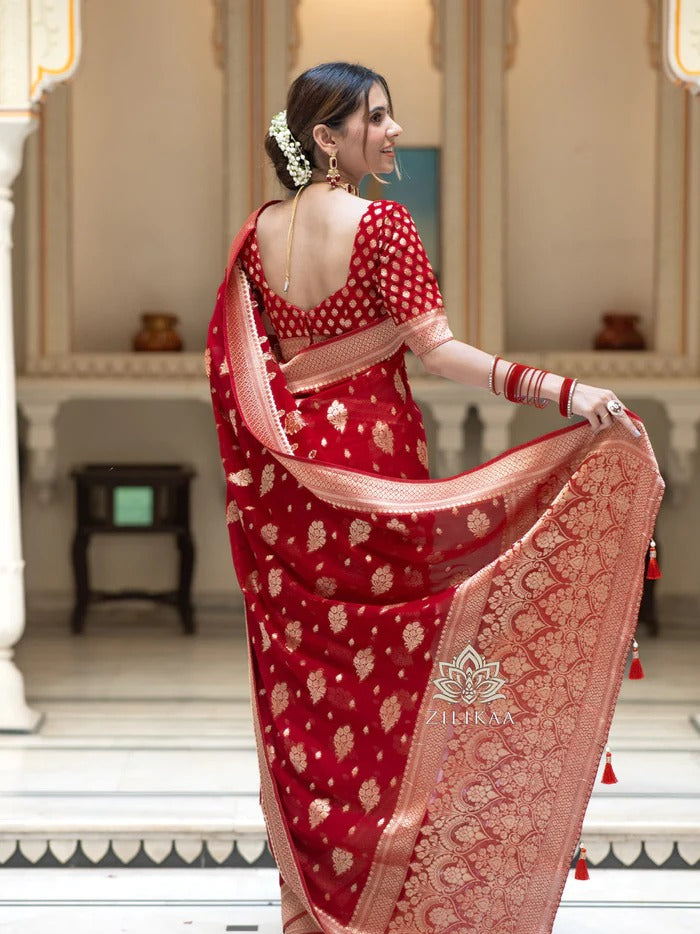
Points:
(434, 663)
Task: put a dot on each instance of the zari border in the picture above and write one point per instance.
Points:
(342, 356)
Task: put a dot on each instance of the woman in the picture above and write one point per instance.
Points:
(433, 663)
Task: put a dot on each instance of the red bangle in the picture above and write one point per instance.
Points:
(539, 402)
(512, 380)
(564, 396)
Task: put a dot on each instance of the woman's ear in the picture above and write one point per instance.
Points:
(323, 138)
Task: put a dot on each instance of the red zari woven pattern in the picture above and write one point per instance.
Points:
(433, 671)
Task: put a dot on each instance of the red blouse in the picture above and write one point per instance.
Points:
(389, 274)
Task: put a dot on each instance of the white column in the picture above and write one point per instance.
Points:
(15, 715)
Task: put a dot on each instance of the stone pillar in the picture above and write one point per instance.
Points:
(15, 715)
(39, 47)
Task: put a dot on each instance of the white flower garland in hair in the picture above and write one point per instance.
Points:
(297, 163)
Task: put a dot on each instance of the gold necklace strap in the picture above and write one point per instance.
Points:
(289, 240)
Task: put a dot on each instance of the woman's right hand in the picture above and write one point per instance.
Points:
(591, 402)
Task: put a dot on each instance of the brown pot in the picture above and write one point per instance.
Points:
(619, 332)
(158, 332)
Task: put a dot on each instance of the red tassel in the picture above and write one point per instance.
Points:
(581, 867)
(636, 670)
(653, 571)
(609, 777)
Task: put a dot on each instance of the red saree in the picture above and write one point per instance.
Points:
(434, 663)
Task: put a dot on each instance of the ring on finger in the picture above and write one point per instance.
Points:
(604, 415)
(614, 407)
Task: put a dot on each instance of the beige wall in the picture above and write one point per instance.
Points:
(146, 170)
(581, 124)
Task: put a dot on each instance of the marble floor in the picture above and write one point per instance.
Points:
(135, 808)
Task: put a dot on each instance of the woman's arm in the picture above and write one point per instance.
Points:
(468, 365)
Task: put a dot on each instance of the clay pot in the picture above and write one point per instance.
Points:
(619, 332)
(158, 332)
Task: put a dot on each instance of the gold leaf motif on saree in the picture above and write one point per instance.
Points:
(478, 523)
(232, 512)
(316, 537)
(326, 586)
(422, 451)
(383, 437)
(342, 860)
(343, 742)
(369, 794)
(337, 415)
(297, 756)
(359, 531)
(223, 368)
(399, 385)
(207, 362)
(292, 634)
(319, 809)
(269, 533)
(293, 422)
(397, 526)
(316, 683)
(338, 618)
(279, 698)
(413, 636)
(267, 479)
(364, 663)
(382, 579)
(274, 581)
(266, 643)
(241, 477)
(389, 712)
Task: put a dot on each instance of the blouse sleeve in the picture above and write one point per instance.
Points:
(407, 283)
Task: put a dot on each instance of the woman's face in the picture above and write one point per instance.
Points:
(382, 133)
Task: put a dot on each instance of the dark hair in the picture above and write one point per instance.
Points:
(328, 94)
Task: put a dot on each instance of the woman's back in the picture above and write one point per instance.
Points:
(324, 231)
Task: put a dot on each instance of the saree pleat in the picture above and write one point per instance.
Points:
(434, 664)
